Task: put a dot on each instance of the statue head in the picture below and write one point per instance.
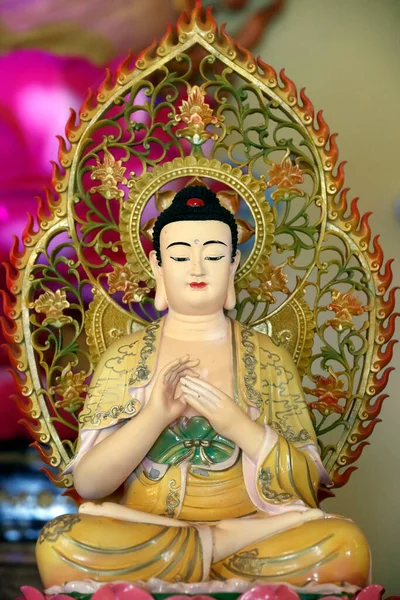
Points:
(195, 254)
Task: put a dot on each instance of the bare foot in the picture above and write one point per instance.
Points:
(231, 535)
(90, 508)
(111, 510)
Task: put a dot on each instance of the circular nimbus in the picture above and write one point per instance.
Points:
(248, 188)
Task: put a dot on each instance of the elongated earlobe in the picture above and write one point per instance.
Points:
(160, 300)
(230, 300)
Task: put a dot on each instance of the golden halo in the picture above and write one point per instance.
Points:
(248, 188)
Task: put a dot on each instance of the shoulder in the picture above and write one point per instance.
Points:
(120, 351)
(128, 345)
(124, 350)
(125, 345)
(264, 342)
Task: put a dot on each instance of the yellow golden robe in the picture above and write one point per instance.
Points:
(194, 475)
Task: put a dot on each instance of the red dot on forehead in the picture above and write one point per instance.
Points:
(195, 202)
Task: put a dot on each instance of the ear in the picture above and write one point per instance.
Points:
(160, 301)
(230, 300)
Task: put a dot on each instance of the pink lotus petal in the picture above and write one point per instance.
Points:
(372, 592)
(105, 593)
(121, 591)
(270, 592)
(31, 593)
(129, 591)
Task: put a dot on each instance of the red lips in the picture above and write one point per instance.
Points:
(199, 285)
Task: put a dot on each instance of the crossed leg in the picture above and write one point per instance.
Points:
(107, 541)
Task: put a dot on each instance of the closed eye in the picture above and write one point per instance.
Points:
(214, 257)
(180, 258)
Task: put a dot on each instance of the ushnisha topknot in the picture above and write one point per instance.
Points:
(194, 203)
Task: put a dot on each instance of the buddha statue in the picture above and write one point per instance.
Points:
(197, 457)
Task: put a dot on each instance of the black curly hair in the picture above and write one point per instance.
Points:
(194, 203)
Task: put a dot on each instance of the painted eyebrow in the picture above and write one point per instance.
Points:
(178, 244)
(214, 242)
(186, 243)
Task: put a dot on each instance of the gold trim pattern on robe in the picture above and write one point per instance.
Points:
(125, 363)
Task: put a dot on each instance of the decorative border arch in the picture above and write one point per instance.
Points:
(343, 220)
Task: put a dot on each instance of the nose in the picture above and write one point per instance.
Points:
(197, 267)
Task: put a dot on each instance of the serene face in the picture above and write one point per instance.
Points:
(196, 265)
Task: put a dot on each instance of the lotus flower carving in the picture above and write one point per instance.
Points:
(329, 390)
(345, 306)
(110, 172)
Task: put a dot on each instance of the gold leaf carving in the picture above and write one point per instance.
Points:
(164, 199)
(229, 200)
(52, 304)
(197, 114)
(345, 306)
(245, 231)
(70, 386)
(110, 172)
(285, 176)
(123, 279)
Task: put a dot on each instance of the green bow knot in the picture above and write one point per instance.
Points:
(197, 443)
(191, 440)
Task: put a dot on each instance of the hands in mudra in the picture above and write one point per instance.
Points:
(213, 404)
(217, 407)
(162, 398)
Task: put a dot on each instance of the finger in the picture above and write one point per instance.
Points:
(186, 359)
(207, 386)
(179, 369)
(199, 396)
(169, 366)
(196, 404)
(178, 375)
(179, 364)
(188, 365)
(197, 387)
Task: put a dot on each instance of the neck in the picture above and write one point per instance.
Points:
(201, 328)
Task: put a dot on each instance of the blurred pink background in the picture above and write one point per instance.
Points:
(51, 52)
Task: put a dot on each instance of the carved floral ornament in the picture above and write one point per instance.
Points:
(285, 176)
(110, 172)
(197, 114)
(123, 279)
(345, 306)
(272, 279)
(52, 305)
(71, 387)
(329, 390)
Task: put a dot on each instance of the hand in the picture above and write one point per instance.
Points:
(162, 400)
(219, 408)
